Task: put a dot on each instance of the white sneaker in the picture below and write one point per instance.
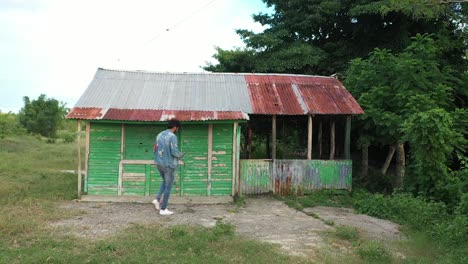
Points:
(165, 212)
(156, 204)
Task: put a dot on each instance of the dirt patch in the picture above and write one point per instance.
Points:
(370, 227)
(265, 219)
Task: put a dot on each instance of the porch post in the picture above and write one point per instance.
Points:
(79, 158)
(309, 139)
(235, 160)
(348, 138)
(88, 131)
(332, 140)
(273, 137)
(210, 154)
(249, 144)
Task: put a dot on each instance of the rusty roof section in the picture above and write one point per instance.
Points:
(299, 95)
(151, 96)
(152, 115)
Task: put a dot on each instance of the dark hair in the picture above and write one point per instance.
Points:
(173, 123)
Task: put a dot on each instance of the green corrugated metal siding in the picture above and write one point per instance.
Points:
(104, 158)
(221, 172)
(284, 177)
(194, 172)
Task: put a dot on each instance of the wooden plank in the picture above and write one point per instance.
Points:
(88, 131)
(332, 140)
(210, 156)
(234, 156)
(320, 139)
(348, 138)
(273, 137)
(79, 158)
(309, 139)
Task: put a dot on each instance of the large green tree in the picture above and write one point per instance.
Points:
(408, 98)
(43, 115)
(322, 36)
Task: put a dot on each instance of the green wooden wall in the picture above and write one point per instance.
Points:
(191, 178)
(104, 158)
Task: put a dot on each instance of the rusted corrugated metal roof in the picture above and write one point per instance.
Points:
(153, 115)
(149, 96)
(298, 95)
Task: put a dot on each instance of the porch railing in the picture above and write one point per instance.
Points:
(284, 177)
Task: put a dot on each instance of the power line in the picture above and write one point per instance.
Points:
(181, 21)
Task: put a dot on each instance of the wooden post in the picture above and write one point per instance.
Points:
(348, 138)
(273, 137)
(320, 139)
(309, 139)
(210, 154)
(235, 161)
(79, 158)
(249, 144)
(88, 134)
(332, 140)
(284, 140)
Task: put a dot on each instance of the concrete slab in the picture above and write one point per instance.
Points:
(148, 199)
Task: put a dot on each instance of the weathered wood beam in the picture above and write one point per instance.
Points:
(348, 138)
(210, 156)
(79, 157)
(273, 137)
(309, 138)
(88, 134)
(332, 140)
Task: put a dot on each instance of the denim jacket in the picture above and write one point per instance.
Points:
(166, 152)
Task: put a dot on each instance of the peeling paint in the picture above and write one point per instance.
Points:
(286, 177)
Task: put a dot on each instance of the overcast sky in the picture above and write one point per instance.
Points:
(54, 47)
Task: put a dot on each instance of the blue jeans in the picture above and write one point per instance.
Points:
(167, 175)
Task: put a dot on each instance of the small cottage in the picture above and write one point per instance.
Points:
(121, 112)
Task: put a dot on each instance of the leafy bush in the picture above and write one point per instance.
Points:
(9, 125)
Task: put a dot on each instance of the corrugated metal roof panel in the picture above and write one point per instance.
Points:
(150, 96)
(277, 95)
(173, 91)
(153, 115)
(272, 95)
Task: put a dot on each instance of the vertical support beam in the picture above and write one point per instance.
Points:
(235, 161)
(121, 166)
(88, 134)
(332, 140)
(122, 142)
(249, 143)
(210, 154)
(147, 179)
(348, 138)
(320, 139)
(273, 137)
(283, 148)
(309, 138)
(79, 158)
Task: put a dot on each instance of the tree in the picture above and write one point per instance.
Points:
(407, 96)
(42, 116)
(322, 36)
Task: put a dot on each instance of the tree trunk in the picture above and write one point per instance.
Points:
(364, 163)
(389, 158)
(400, 165)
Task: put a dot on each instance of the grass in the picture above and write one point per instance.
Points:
(32, 186)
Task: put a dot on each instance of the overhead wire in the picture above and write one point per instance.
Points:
(181, 21)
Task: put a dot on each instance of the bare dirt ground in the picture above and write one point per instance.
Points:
(264, 219)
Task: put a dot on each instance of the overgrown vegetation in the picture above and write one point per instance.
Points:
(32, 187)
(424, 221)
